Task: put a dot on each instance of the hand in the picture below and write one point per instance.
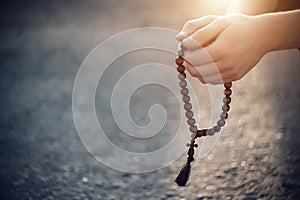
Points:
(221, 49)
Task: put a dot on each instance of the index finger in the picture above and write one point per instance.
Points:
(191, 26)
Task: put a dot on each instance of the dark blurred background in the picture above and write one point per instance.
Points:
(42, 44)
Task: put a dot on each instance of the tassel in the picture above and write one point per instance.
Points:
(184, 175)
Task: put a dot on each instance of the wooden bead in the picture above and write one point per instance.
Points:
(227, 92)
(184, 91)
(191, 121)
(224, 115)
(227, 100)
(193, 129)
(181, 76)
(225, 108)
(202, 132)
(221, 122)
(211, 132)
(217, 128)
(189, 114)
(187, 106)
(180, 68)
(179, 60)
(183, 83)
(193, 136)
(180, 52)
(228, 85)
(186, 99)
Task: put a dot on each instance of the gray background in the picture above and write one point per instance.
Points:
(42, 46)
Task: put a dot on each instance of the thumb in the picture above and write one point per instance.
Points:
(191, 26)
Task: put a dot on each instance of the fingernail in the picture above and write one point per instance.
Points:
(181, 35)
(190, 43)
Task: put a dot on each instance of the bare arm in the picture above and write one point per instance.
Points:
(282, 30)
(252, 7)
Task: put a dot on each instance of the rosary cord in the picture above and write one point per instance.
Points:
(183, 176)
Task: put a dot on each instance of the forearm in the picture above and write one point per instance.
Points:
(280, 30)
(251, 7)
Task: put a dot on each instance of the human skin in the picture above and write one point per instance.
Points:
(235, 43)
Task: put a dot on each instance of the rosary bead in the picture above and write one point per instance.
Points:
(224, 115)
(193, 129)
(181, 76)
(180, 68)
(184, 91)
(191, 121)
(182, 83)
(221, 122)
(187, 106)
(195, 145)
(227, 100)
(186, 99)
(187, 144)
(227, 92)
(179, 60)
(201, 132)
(217, 128)
(193, 136)
(180, 52)
(189, 114)
(228, 85)
(225, 108)
(211, 132)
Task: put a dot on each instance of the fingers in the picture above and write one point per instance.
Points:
(208, 73)
(205, 35)
(191, 26)
(202, 56)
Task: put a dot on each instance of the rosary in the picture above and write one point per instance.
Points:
(184, 173)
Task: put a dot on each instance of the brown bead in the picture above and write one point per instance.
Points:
(228, 85)
(179, 60)
(217, 128)
(180, 52)
(181, 76)
(183, 83)
(227, 100)
(193, 136)
(227, 92)
(199, 133)
(180, 68)
(189, 114)
(221, 122)
(191, 121)
(225, 107)
(187, 106)
(211, 132)
(186, 99)
(224, 115)
(184, 91)
(202, 132)
(193, 129)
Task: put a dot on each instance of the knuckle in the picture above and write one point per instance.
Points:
(190, 24)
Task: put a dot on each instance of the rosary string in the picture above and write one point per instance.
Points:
(184, 173)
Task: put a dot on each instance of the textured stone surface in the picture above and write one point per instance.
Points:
(42, 46)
